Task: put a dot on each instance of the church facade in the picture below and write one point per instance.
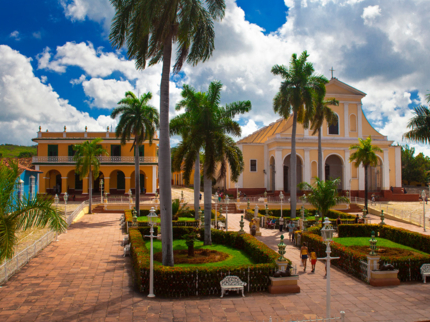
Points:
(267, 151)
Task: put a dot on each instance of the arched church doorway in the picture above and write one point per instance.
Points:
(334, 169)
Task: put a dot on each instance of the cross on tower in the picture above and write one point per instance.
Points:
(332, 70)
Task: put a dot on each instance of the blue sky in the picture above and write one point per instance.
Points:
(58, 67)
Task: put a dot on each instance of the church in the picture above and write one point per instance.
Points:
(266, 153)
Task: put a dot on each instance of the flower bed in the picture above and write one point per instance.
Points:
(191, 281)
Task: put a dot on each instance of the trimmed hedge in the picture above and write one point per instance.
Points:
(276, 213)
(201, 280)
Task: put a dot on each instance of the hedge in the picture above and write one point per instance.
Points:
(409, 266)
(276, 213)
(191, 281)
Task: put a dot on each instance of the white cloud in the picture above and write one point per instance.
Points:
(106, 93)
(97, 10)
(15, 35)
(43, 79)
(79, 80)
(249, 128)
(40, 105)
(37, 35)
(370, 13)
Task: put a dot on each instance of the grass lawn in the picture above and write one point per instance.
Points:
(364, 241)
(145, 219)
(237, 257)
(12, 151)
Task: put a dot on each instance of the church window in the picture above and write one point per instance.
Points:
(253, 166)
(334, 128)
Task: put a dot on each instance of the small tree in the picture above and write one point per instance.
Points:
(323, 195)
(178, 209)
(189, 241)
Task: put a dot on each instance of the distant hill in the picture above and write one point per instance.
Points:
(15, 151)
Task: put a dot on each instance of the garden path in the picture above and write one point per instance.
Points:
(83, 277)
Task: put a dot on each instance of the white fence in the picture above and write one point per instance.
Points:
(341, 318)
(102, 159)
(409, 216)
(12, 265)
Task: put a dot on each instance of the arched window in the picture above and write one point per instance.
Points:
(352, 123)
(334, 128)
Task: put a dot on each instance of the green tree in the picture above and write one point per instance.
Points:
(419, 125)
(88, 163)
(149, 29)
(323, 195)
(22, 213)
(209, 126)
(295, 96)
(414, 168)
(140, 120)
(365, 155)
(322, 112)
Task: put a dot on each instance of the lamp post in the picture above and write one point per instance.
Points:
(281, 196)
(227, 201)
(216, 214)
(237, 191)
(151, 221)
(423, 196)
(101, 190)
(56, 201)
(327, 235)
(20, 189)
(66, 197)
(106, 199)
(130, 197)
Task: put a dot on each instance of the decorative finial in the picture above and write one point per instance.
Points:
(47, 130)
(86, 128)
(40, 128)
(108, 129)
(65, 128)
(332, 70)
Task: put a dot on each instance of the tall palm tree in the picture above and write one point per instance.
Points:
(209, 125)
(323, 195)
(140, 120)
(149, 29)
(419, 125)
(22, 213)
(322, 112)
(365, 155)
(87, 162)
(295, 97)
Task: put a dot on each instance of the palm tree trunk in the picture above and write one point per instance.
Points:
(164, 162)
(197, 186)
(137, 178)
(208, 207)
(365, 187)
(320, 157)
(293, 169)
(90, 190)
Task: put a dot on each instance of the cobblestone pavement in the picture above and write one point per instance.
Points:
(83, 277)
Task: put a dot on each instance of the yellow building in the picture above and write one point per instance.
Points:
(55, 159)
(267, 151)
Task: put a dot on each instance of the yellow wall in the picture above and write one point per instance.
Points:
(253, 179)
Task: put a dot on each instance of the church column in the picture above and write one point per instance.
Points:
(360, 121)
(240, 180)
(361, 177)
(386, 169)
(398, 168)
(306, 134)
(346, 119)
(279, 168)
(63, 185)
(266, 169)
(347, 167)
(307, 167)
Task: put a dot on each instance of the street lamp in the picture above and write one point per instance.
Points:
(227, 201)
(130, 197)
(66, 197)
(106, 199)
(327, 235)
(151, 221)
(101, 190)
(20, 189)
(423, 196)
(56, 201)
(216, 214)
(281, 196)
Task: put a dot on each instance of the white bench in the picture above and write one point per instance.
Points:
(232, 283)
(425, 271)
(221, 225)
(126, 250)
(125, 240)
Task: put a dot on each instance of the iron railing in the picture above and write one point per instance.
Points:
(102, 159)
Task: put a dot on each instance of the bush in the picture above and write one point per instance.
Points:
(201, 280)
(25, 155)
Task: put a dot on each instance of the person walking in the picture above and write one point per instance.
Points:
(304, 255)
(290, 230)
(281, 224)
(313, 259)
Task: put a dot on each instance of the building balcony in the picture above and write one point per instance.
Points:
(102, 159)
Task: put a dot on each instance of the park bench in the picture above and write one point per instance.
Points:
(125, 240)
(126, 250)
(221, 225)
(425, 271)
(232, 283)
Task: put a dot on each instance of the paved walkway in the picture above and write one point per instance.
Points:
(83, 277)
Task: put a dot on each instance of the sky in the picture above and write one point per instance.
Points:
(59, 69)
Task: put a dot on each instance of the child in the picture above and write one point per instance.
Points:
(304, 255)
(313, 259)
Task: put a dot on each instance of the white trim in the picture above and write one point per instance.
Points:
(347, 167)
(266, 168)
(279, 170)
(63, 177)
(346, 119)
(360, 177)
(127, 177)
(338, 127)
(250, 165)
(398, 168)
(343, 161)
(298, 155)
(360, 120)
(351, 123)
(240, 181)
(307, 167)
(386, 169)
(306, 133)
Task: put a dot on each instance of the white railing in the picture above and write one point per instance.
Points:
(76, 212)
(415, 218)
(341, 318)
(103, 159)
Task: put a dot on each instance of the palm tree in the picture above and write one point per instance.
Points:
(323, 195)
(209, 125)
(149, 28)
(22, 213)
(295, 96)
(322, 112)
(365, 155)
(140, 120)
(419, 125)
(87, 162)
